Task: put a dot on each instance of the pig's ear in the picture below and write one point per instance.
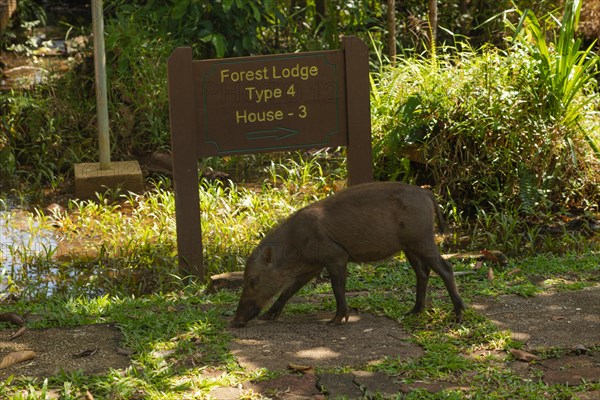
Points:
(267, 255)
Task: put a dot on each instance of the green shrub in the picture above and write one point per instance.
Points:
(482, 122)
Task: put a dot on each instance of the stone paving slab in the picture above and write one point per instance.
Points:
(375, 383)
(288, 387)
(339, 386)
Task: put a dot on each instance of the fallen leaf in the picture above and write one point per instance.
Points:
(523, 355)
(490, 274)
(462, 273)
(85, 353)
(16, 357)
(581, 349)
(18, 333)
(88, 395)
(124, 352)
(305, 369)
(478, 265)
(494, 256)
(513, 271)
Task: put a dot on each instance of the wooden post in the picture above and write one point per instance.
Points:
(185, 162)
(211, 117)
(360, 157)
(101, 90)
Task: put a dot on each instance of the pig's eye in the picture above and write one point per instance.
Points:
(253, 281)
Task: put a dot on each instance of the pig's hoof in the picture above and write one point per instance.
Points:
(338, 320)
(268, 317)
(459, 318)
(237, 324)
(415, 311)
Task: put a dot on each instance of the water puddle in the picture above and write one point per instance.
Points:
(38, 259)
(27, 249)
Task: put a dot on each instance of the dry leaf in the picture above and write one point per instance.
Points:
(18, 333)
(494, 256)
(124, 352)
(16, 357)
(581, 349)
(490, 274)
(523, 355)
(85, 353)
(513, 271)
(478, 265)
(305, 369)
(88, 395)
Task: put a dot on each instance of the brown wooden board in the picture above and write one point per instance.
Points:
(261, 104)
(270, 103)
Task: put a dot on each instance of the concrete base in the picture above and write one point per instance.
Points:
(122, 175)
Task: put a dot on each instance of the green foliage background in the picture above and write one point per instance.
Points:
(495, 122)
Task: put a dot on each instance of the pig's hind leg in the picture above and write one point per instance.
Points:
(444, 269)
(275, 310)
(337, 273)
(422, 273)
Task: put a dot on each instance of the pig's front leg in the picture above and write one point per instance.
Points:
(275, 310)
(337, 273)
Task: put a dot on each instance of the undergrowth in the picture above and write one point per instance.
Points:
(512, 128)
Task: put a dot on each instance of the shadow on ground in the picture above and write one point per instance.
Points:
(308, 340)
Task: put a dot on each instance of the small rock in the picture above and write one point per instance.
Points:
(226, 393)
(339, 385)
(287, 387)
(211, 373)
(377, 383)
(572, 376)
(160, 162)
(523, 355)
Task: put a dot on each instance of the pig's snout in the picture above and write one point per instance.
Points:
(245, 312)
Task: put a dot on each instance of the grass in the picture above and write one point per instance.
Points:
(134, 274)
(500, 156)
(164, 340)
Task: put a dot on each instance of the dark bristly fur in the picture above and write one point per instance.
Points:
(363, 223)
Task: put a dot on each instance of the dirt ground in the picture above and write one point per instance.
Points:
(307, 340)
(551, 319)
(569, 320)
(91, 348)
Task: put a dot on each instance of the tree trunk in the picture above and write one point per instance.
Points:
(320, 12)
(433, 19)
(391, 22)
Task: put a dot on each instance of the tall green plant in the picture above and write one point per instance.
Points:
(565, 68)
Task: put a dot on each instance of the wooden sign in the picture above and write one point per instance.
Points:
(271, 103)
(260, 104)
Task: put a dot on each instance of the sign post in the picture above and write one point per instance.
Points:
(260, 104)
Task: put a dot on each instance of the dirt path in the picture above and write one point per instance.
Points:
(566, 320)
(550, 319)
